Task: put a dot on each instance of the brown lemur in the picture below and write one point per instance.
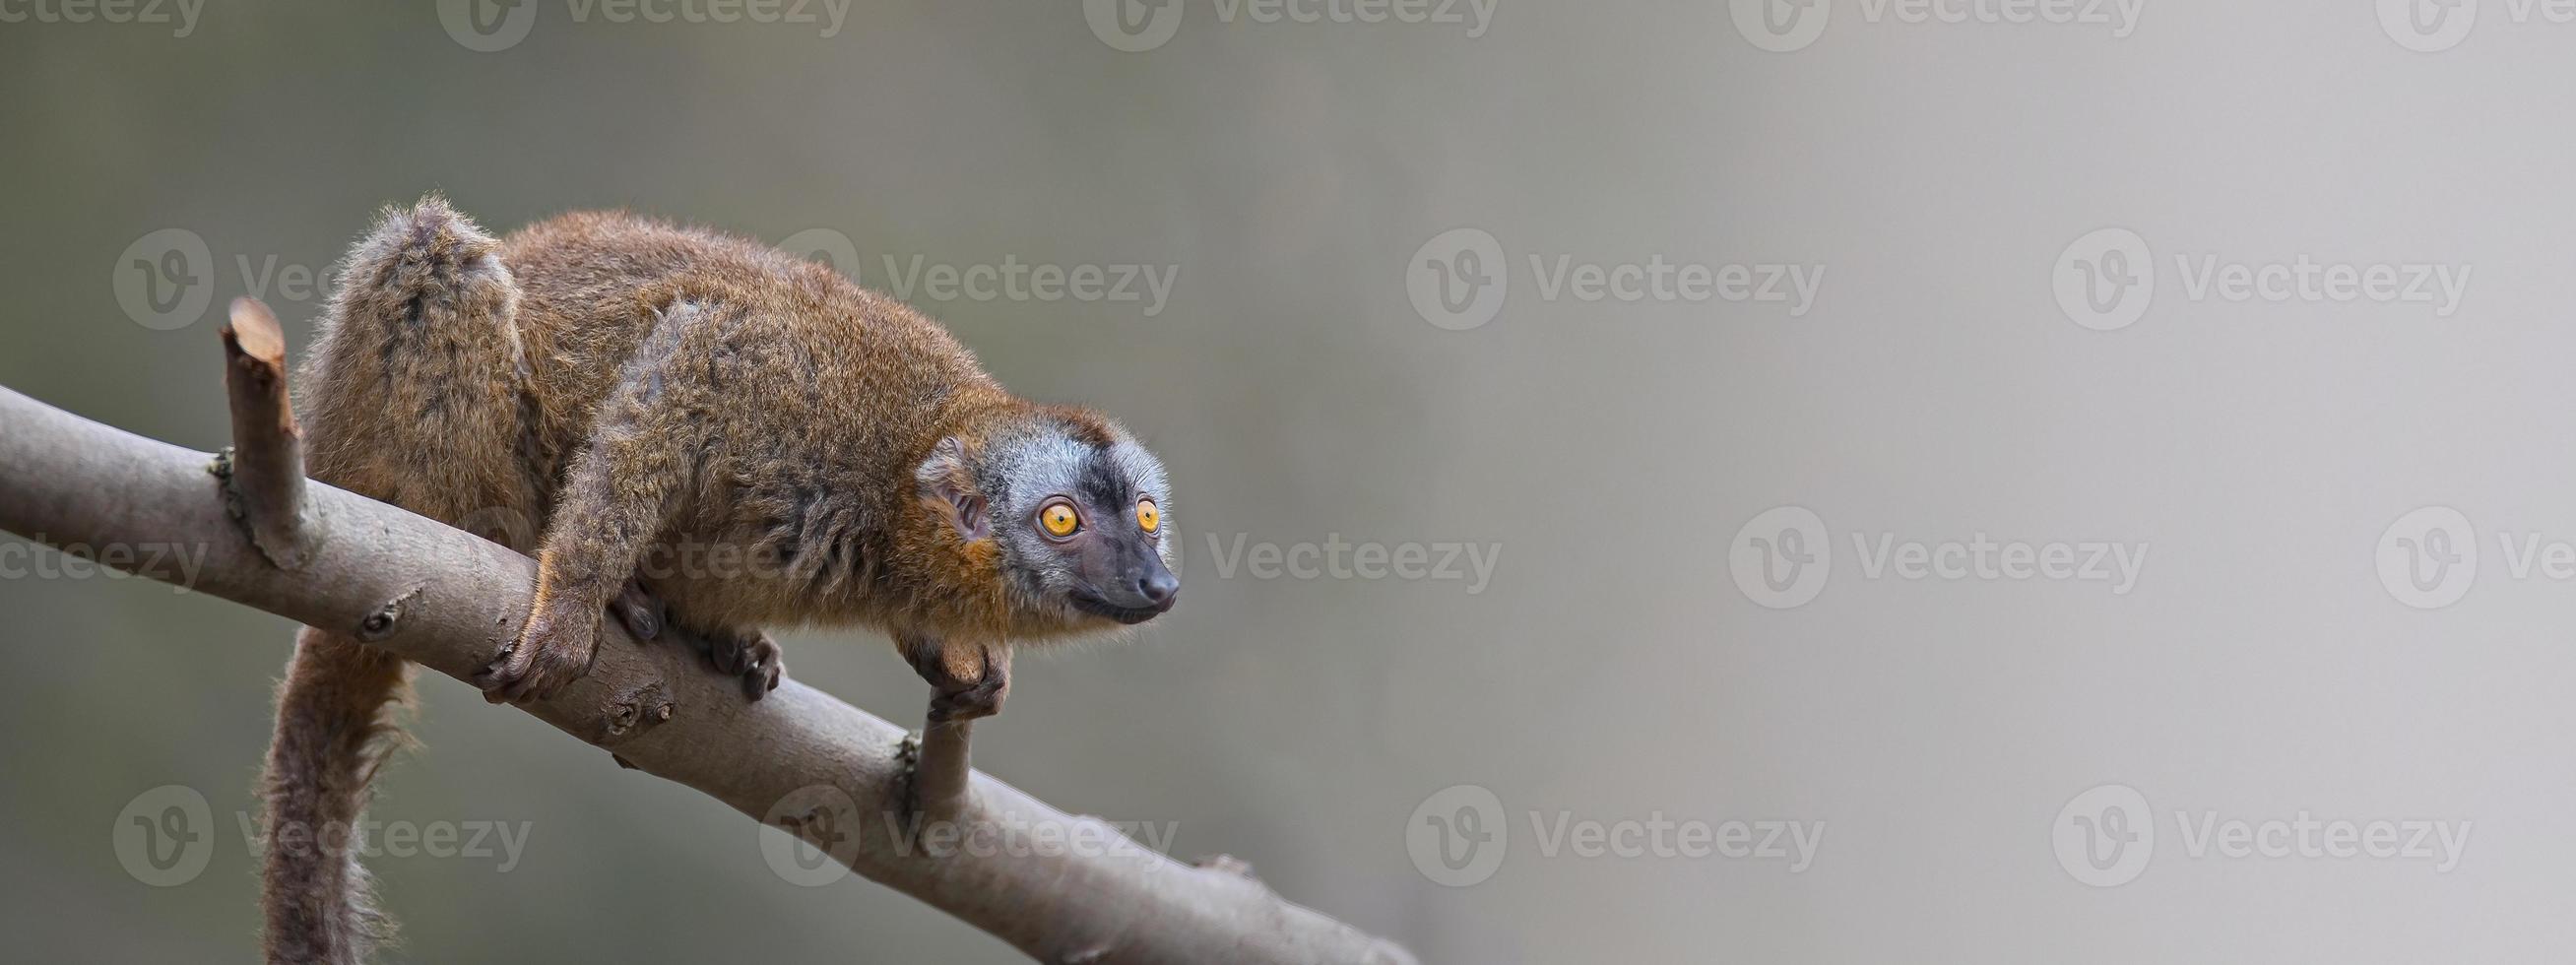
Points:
(711, 432)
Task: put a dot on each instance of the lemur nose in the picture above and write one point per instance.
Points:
(1158, 586)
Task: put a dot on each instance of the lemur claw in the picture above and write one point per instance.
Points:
(553, 650)
(750, 655)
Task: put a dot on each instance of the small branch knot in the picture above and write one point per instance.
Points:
(378, 626)
(221, 467)
(634, 709)
(907, 755)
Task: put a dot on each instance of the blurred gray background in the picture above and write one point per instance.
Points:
(1624, 662)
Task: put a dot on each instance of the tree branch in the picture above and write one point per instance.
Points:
(265, 477)
(798, 759)
(941, 785)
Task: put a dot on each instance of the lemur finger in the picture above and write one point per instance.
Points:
(725, 651)
(507, 667)
(766, 667)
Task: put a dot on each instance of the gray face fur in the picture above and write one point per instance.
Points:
(1110, 567)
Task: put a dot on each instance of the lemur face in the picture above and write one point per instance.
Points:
(1079, 513)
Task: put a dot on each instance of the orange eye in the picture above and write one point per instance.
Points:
(1148, 516)
(1059, 519)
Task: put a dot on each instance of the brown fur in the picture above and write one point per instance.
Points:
(609, 392)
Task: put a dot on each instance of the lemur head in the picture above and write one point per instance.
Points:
(1074, 510)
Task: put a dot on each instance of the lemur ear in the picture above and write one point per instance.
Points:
(946, 480)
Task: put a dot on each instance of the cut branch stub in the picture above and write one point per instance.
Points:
(266, 481)
(938, 783)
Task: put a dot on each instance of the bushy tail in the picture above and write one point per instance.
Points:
(335, 724)
(411, 394)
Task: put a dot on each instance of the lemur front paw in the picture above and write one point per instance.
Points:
(967, 681)
(750, 655)
(554, 649)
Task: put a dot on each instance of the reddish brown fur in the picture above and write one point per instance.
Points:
(621, 387)
(857, 386)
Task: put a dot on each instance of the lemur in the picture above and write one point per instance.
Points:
(644, 390)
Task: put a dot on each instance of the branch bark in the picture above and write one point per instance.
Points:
(799, 759)
(941, 785)
(265, 476)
